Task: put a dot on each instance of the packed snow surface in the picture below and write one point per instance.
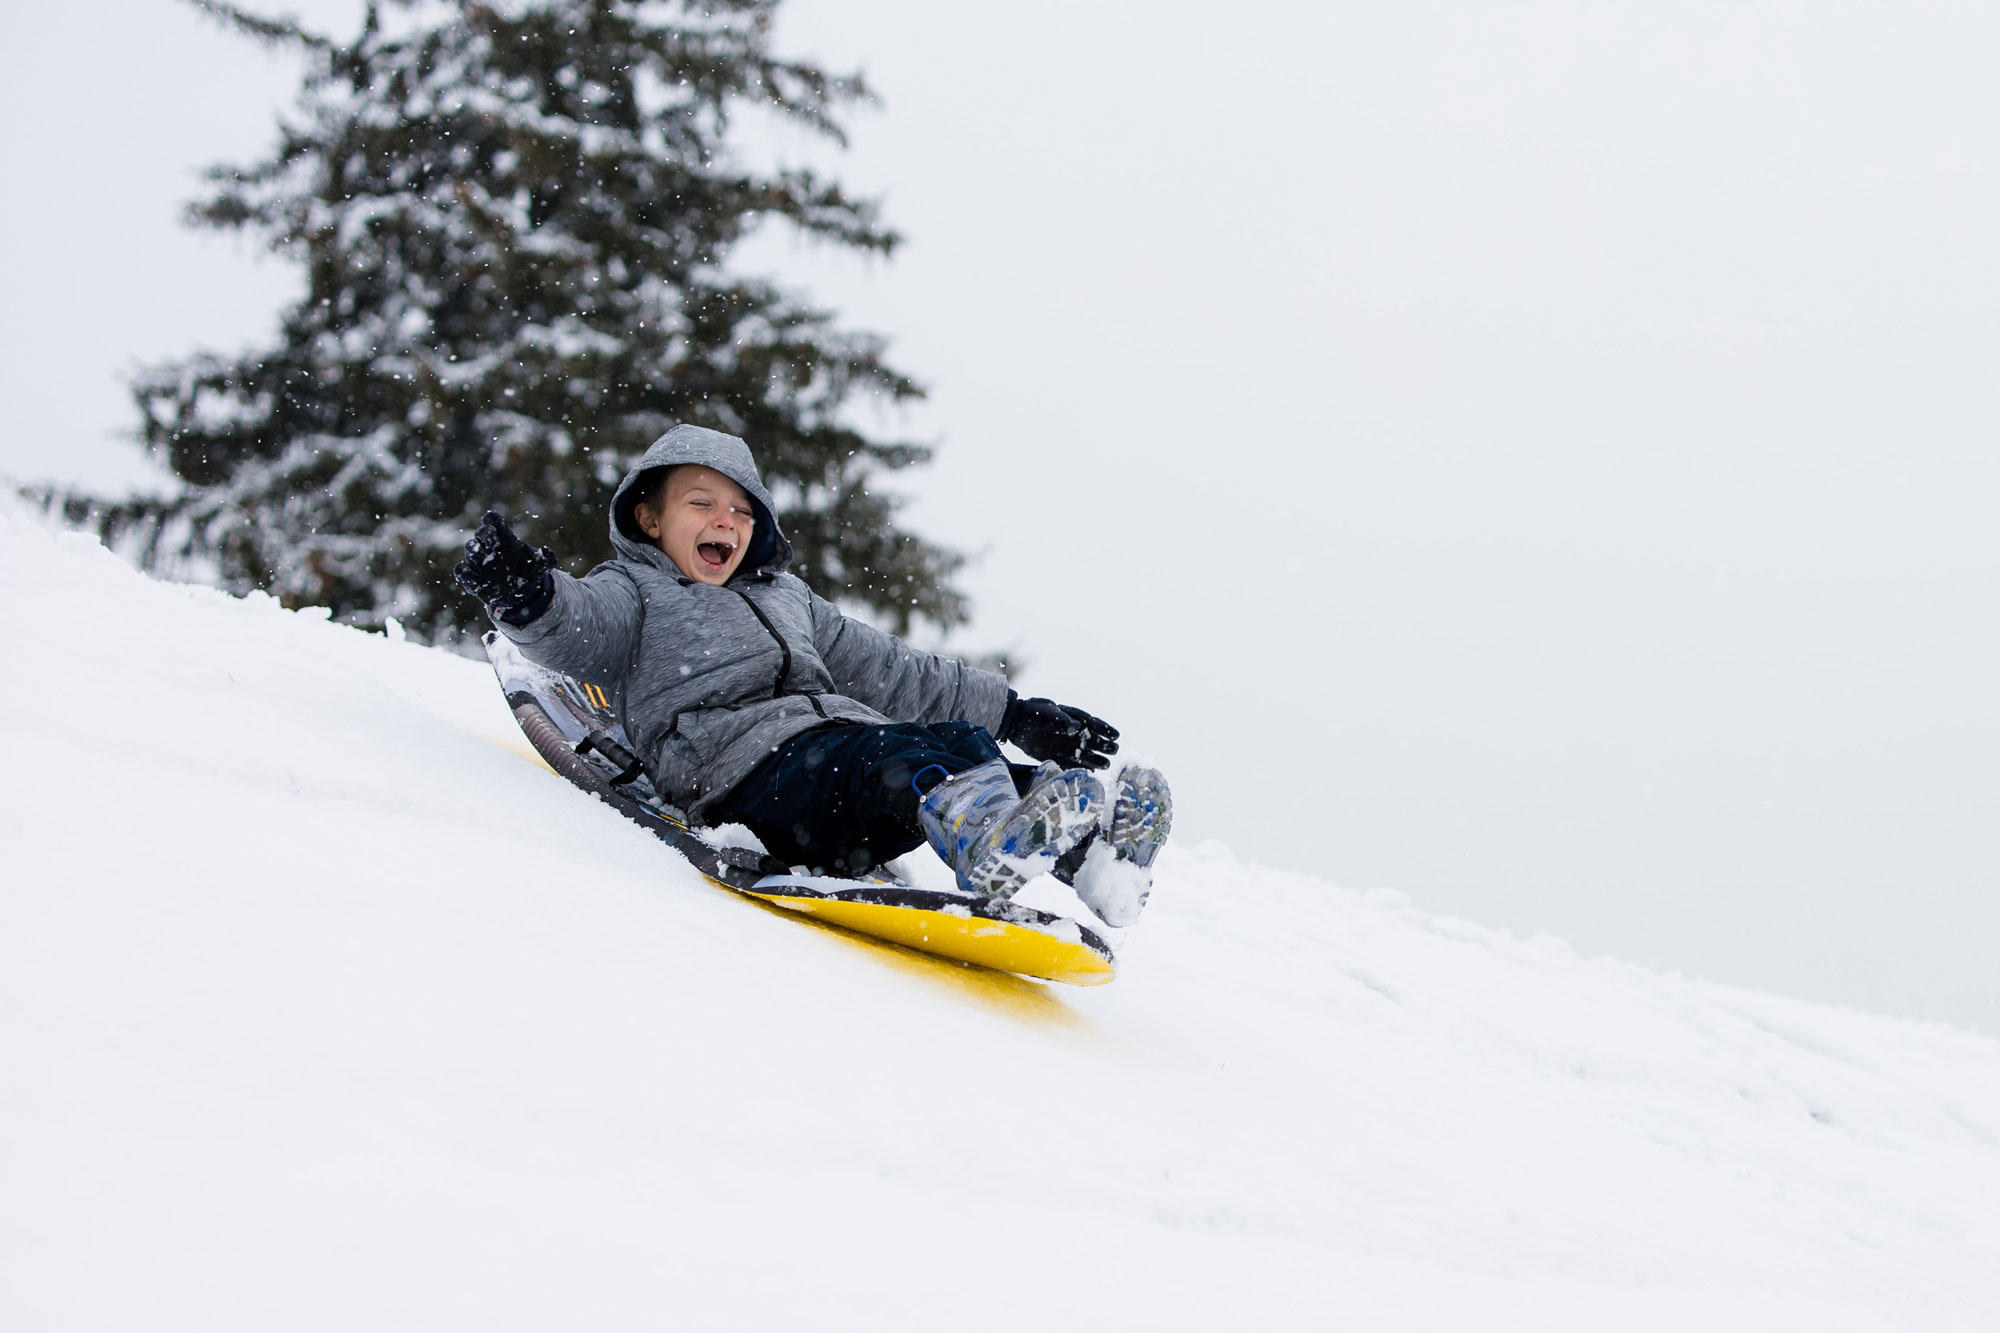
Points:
(321, 1008)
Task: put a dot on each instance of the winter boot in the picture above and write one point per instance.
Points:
(1112, 872)
(995, 839)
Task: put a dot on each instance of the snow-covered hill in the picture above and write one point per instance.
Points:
(322, 1009)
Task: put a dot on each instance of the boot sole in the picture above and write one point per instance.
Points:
(1141, 817)
(1051, 819)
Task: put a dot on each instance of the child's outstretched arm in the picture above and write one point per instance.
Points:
(902, 682)
(583, 626)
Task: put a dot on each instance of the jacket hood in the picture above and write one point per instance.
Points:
(770, 551)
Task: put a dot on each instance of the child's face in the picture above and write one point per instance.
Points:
(703, 522)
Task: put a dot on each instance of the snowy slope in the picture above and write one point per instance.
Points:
(322, 1009)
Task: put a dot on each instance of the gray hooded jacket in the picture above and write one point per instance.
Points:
(709, 681)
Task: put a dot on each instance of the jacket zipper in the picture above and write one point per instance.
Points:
(785, 663)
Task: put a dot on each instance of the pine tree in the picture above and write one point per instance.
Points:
(515, 220)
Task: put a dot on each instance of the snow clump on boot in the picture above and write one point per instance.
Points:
(1116, 873)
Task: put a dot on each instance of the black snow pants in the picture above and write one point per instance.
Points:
(843, 799)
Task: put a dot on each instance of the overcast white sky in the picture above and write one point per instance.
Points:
(1539, 457)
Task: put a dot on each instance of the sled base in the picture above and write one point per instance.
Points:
(1049, 948)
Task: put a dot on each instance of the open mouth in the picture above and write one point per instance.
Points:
(715, 555)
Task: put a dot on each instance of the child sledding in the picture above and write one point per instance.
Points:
(749, 699)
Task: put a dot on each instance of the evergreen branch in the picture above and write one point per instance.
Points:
(810, 95)
(272, 31)
(825, 210)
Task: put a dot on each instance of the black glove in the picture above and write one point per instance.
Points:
(1046, 729)
(509, 576)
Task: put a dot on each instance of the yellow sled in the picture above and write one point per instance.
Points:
(1035, 945)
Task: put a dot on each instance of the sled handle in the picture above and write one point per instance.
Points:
(627, 763)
